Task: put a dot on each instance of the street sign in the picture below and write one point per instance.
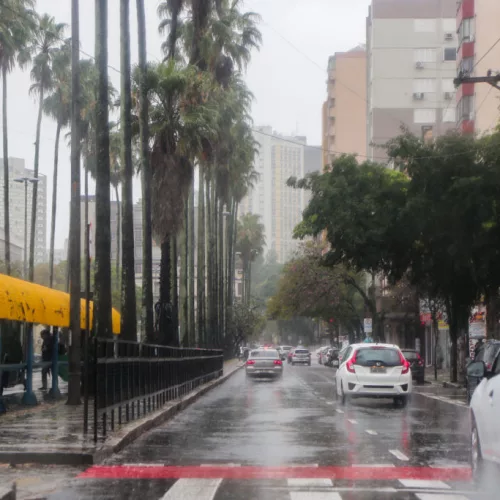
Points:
(367, 325)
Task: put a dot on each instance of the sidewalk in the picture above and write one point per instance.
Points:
(442, 389)
(52, 432)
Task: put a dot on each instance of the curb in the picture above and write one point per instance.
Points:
(114, 443)
(8, 493)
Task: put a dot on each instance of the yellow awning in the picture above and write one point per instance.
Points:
(24, 301)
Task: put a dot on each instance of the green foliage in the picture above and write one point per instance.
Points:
(245, 322)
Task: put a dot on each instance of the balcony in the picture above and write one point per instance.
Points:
(466, 8)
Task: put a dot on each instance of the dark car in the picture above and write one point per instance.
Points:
(486, 353)
(417, 365)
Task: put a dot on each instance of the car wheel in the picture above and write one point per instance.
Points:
(403, 400)
(343, 397)
(476, 457)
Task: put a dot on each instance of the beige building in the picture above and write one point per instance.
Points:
(478, 27)
(344, 111)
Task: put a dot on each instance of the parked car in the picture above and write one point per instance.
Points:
(487, 354)
(322, 354)
(485, 414)
(301, 356)
(374, 370)
(290, 355)
(264, 362)
(285, 349)
(417, 365)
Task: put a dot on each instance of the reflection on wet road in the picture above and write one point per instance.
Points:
(290, 439)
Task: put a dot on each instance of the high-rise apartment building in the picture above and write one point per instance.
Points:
(17, 169)
(344, 111)
(412, 51)
(279, 206)
(478, 27)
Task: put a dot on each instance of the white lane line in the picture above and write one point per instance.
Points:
(143, 465)
(373, 465)
(329, 402)
(372, 433)
(451, 466)
(302, 465)
(352, 421)
(309, 482)
(314, 495)
(439, 496)
(398, 454)
(193, 489)
(339, 411)
(424, 484)
(220, 465)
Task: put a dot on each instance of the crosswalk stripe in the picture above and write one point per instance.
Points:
(372, 433)
(314, 495)
(438, 496)
(398, 454)
(309, 483)
(193, 489)
(352, 421)
(424, 484)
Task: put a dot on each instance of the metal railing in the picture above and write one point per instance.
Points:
(132, 379)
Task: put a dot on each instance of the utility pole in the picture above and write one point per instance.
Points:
(463, 78)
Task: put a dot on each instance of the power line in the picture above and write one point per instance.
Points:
(487, 52)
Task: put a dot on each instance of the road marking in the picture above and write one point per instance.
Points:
(314, 495)
(255, 472)
(427, 485)
(302, 465)
(438, 496)
(220, 465)
(329, 402)
(339, 411)
(352, 421)
(193, 489)
(372, 433)
(398, 454)
(144, 465)
(374, 465)
(310, 483)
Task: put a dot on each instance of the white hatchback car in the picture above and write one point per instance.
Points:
(374, 370)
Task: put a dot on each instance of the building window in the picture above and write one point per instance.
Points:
(450, 54)
(424, 85)
(466, 30)
(449, 115)
(465, 108)
(424, 25)
(424, 55)
(424, 116)
(466, 65)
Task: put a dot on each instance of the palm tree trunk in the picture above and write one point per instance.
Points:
(74, 247)
(165, 304)
(191, 251)
(221, 272)
(129, 309)
(184, 279)
(174, 290)
(118, 238)
(200, 265)
(147, 234)
(54, 206)
(215, 270)
(102, 281)
(209, 263)
(34, 188)
(6, 205)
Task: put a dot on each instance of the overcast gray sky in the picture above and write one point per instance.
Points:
(289, 87)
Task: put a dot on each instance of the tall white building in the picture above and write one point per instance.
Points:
(280, 207)
(18, 169)
(412, 51)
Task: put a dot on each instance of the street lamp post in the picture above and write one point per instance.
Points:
(29, 397)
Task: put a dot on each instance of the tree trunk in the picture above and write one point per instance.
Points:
(191, 245)
(221, 273)
(233, 256)
(200, 265)
(209, 263)
(183, 285)
(6, 205)
(215, 265)
(118, 238)
(174, 290)
(102, 281)
(54, 206)
(34, 188)
(164, 311)
(492, 300)
(147, 233)
(129, 307)
(74, 247)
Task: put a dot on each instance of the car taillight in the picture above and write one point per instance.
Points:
(405, 363)
(420, 360)
(250, 362)
(350, 364)
(488, 366)
(278, 362)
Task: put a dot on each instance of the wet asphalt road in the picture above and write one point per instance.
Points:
(290, 439)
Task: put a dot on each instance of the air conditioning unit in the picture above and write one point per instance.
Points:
(419, 65)
(448, 96)
(418, 96)
(448, 36)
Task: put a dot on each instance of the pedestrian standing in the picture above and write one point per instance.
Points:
(47, 348)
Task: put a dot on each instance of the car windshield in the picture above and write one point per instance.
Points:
(410, 355)
(387, 356)
(264, 353)
(286, 348)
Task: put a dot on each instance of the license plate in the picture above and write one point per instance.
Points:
(378, 369)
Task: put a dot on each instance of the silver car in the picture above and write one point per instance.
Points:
(264, 362)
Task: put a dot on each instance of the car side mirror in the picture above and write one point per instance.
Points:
(476, 369)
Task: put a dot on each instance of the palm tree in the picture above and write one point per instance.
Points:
(102, 281)
(57, 105)
(115, 164)
(250, 243)
(44, 46)
(147, 233)
(128, 310)
(17, 21)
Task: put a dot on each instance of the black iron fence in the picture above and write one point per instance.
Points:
(131, 379)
